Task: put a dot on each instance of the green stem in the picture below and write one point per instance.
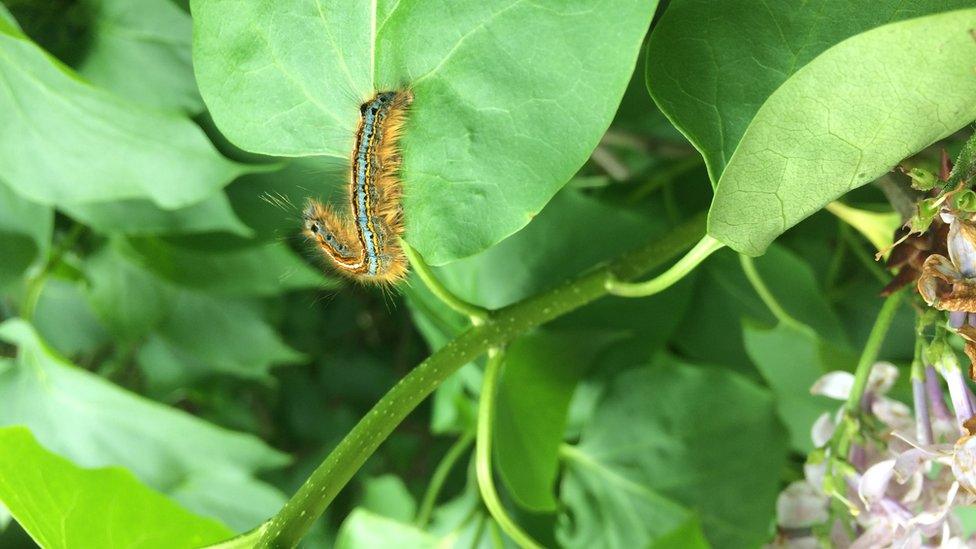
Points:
(850, 424)
(705, 247)
(35, 285)
(453, 454)
(486, 484)
(767, 297)
(836, 259)
(871, 349)
(477, 314)
(864, 256)
(287, 527)
(664, 176)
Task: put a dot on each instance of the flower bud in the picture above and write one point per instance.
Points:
(923, 180)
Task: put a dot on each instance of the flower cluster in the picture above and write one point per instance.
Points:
(901, 479)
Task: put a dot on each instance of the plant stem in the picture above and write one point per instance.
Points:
(287, 527)
(836, 259)
(486, 484)
(767, 297)
(664, 176)
(35, 284)
(705, 247)
(864, 256)
(453, 454)
(477, 314)
(871, 349)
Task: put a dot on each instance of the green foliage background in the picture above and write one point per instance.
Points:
(174, 361)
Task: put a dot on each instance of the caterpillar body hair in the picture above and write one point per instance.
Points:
(365, 243)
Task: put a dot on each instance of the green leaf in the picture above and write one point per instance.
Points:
(25, 233)
(271, 202)
(191, 334)
(858, 305)
(608, 507)
(217, 335)
(548, 250)
(142, 217)
(96, 147)
(674, 434)
(844, 119)
(687, 536)
(541, 372)
(94, 423)
(364, 528)
(129, 300)
(533, 84)
(65, 318)
(7, 21)
(878, 227)
(61, 505)
(140, 50)
(267, 269)
(712, 65)
(724, 297)
(791, 359)
(387, 496)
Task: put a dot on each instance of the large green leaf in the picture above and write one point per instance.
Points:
(129, 300)
(65, 320)
(712, 65)
(790, 359)
(843, 120)
(510, 96)
(541, 372)
(94, 423)
(267, 269)
(837, 122)
(363, 528)
(549, 250)
(140, 217)
(674, 434)
(542, 255)
(724, 297)
(140, 49)
(388, 496)
(7, 20)
(191, 334)
(25, 232)
(62, 506)
(64, 141)
(687, 536)
(207, 334)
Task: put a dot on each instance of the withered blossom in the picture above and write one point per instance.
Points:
(949, 284)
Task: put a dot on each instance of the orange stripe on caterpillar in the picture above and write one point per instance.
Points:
(364, 245)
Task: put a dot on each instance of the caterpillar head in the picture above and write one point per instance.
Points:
(324, 227)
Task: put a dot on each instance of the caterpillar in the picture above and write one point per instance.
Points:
(365, 245)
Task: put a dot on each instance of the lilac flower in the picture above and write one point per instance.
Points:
(902, 479)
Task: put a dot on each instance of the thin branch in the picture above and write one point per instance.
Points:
(705, 247)
(300, 512)
(767, 297)
(486, 483)
(477, 314)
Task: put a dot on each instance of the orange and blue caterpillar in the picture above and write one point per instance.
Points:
(367, 246)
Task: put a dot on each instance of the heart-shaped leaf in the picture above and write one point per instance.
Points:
(62, 505)
(95, 423)
(65, 141)
(827, 112)
(510, 96)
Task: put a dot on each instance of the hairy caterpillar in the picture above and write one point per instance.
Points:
(365, 246)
